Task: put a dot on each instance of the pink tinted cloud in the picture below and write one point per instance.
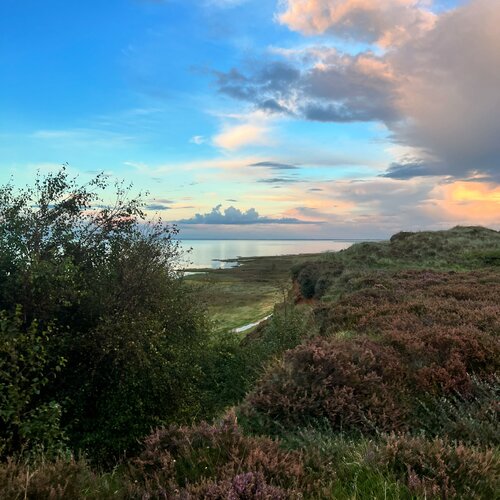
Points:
(385, 22)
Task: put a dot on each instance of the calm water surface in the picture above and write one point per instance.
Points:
(206, 253)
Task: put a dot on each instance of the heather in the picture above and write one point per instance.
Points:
(387, 351)
(376, 377)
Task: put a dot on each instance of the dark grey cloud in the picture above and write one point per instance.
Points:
(274, 165)
(341, 89)
(157, 207)
(409, 170)
(451, 82)
(315, 189)
(273, 106)
(234, 216)
(278, 180)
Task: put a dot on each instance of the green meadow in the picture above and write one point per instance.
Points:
(246, 293)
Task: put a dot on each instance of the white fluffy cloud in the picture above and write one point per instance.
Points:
(234, 216)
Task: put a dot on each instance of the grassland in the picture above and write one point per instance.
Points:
(248, 292)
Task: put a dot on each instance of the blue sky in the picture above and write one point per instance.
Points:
(270, 108)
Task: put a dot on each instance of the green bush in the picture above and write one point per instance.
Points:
(27, 422)
(104, 284)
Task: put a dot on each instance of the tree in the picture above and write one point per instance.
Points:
(107, 285)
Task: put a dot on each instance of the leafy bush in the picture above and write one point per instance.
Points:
(460, 248)
(353, 384)
(231, 365)
(313, 278)
(245, 486)
(107, 285)
(26, 421)
(473, 418)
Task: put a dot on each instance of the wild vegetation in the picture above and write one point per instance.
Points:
(377, 376)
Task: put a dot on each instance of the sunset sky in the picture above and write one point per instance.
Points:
(263, 118)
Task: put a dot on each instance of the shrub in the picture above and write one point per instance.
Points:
(57, 479)
(26, 421)
(211, 458)
(314, 278)
(247, 486)
(473, 418)
(439, 468)
(353, 384)
(107, 284)
(424, 334)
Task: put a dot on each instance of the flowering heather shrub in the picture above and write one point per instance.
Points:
(212, 457)
(247, 486)
(440, 469)
(417, 336)
(58, 479)
(416, 299)
(353, 384)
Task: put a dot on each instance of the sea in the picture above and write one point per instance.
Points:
(212, 253)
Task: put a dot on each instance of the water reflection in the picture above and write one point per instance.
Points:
(209, 253)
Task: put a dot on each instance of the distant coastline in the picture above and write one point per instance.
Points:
(222, 253)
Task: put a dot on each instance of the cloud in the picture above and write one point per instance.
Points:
(197, 139)
(238, 136)
(410, 169)
(436, 90)
(449, 93)
(385, 22)
(234, 216)
(278, 180)
(325, 86)
(157, 207)
(273, 165)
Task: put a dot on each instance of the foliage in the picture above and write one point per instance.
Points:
(353, 384)
(57, 479)
(418, 338)
(378, 373)
(440, 469)
(26, 421)
(232, 365)
(107, 284)
(473, 418)
(460, 248)
(210, 458)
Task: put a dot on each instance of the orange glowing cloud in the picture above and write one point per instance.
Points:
(471, 202)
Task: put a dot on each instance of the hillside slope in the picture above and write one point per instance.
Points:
(376, 378)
